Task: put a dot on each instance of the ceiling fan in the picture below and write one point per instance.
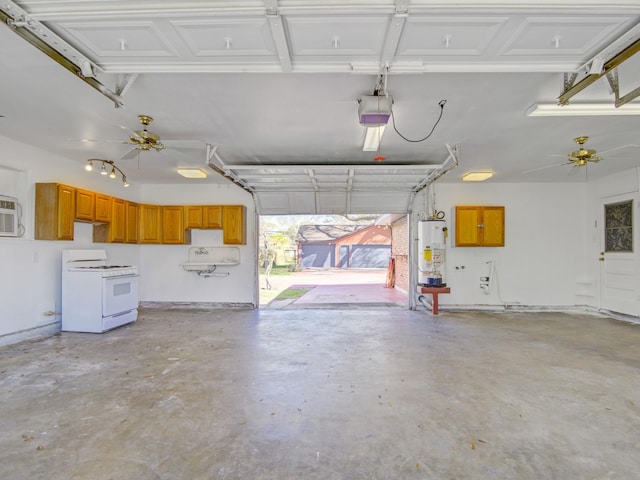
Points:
(582, 156)
(577, 158)
(144, 139)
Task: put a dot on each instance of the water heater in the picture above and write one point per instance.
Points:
(432, 237)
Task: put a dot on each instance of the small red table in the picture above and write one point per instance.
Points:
(434, 291)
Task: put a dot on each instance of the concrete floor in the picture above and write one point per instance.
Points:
(382, 393)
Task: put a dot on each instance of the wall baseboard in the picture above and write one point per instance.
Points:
(35, 333)
(197, 305)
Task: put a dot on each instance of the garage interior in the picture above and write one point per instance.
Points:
(528, 371)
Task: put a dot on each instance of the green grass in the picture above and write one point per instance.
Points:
(292, 293)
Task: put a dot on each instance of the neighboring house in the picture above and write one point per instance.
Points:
(344, 246)
(399, 249)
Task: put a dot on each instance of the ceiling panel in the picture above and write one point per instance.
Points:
(554, 36)
(425, 36)
(336, 36)
(226, 37)
(118, 39)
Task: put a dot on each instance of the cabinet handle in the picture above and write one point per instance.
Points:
(480, 225)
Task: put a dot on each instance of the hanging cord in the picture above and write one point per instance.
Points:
(441, 103)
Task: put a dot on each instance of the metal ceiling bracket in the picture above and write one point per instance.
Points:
(215, 163)
(569, 80)
(609, 65)
(35, 33)
(124, 83)
(612, 78)
(276, 24)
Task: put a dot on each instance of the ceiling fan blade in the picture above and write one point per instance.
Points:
(619, 148)
(545, 167)
(130, 154)
(184, 144)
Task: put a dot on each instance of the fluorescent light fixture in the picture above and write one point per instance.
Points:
(372, 138)
(581, 109)
(192, 173)
(476, 176)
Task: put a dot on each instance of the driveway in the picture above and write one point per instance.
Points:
(331, 286)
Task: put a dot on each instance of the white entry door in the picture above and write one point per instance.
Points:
(619, 272)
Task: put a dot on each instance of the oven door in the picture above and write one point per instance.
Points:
(119, 294)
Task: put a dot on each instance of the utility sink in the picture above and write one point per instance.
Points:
(207, 259)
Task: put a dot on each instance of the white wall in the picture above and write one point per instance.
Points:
(548, 259)
(30, 269)
(542, 260)
(625, 182)
(162, 277)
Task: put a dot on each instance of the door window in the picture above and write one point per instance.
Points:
(618, 227)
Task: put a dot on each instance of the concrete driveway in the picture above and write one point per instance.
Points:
(336, 286)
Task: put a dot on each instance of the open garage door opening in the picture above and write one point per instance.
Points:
(315, 261)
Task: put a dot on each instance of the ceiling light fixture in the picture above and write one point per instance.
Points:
(372, 138)
(476, 176)
(192, 173)
(103, 169)
(581, 109)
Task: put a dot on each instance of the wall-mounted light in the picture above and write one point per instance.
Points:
(103, 169)
(476, 176)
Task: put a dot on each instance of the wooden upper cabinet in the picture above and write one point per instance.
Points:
(150, 223)
(117, 232)
(173, 231)
(193, 216)
(233, 225)
(131, 223)
(85, 205)
(207, 216)
(104, 208)
(212, 216)
(55, 211)
(479, 226)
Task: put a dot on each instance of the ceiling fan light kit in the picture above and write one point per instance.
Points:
(144, 139)
(583, 155)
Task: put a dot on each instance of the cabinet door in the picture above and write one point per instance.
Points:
(131, 225)
(55, 211)
(193, 216)
(85, 205)
(233, 224)
(173, 225)
(118, 221)
(212, 216)
(65, 209)
(150, 223)
(467, 226)
(493, 226)
(103, 208)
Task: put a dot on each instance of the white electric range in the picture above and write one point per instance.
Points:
(97, 297)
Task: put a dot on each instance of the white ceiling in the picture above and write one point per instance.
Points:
(275, 83)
